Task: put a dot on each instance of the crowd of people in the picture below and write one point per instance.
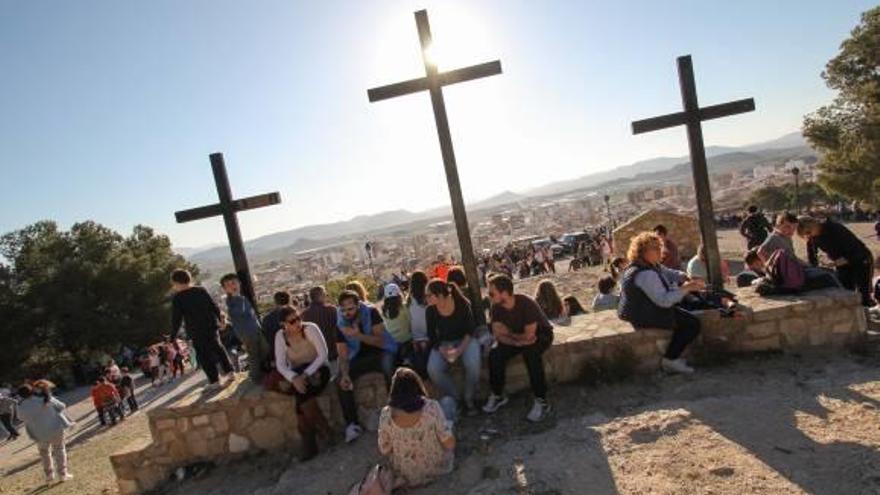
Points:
(426, 326)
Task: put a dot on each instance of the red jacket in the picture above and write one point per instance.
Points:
(104, 393)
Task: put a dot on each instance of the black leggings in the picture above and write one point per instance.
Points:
(687, 327)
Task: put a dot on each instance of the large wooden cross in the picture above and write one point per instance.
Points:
(692, 117)
(228, 208)
(433, 82)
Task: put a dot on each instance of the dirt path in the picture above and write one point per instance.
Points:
(768, 424)
(89, 445)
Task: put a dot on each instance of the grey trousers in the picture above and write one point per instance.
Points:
(54, 455)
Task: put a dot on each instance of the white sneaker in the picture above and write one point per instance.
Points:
(353, 432)
(494, 403)
(675, 366)
(540, 410)
(65, 477)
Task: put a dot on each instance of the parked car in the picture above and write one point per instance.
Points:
(571, 240)
(558, 249)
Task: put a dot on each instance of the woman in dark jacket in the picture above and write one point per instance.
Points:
(650, 294)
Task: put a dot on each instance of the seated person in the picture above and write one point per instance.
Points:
(754, 269)
(519, 327)
(618, 265)
(364, 347)
(397, 322)
(451, 332)
(301, 358)
(606, 299)
(572, 306)
(548, 299)
(781, 237)
(697, 266)
(414, 434)
(650, 296)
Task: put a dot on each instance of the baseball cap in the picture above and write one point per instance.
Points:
(392, 290)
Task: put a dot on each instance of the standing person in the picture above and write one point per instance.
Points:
(153, 363)
(301, 358)
(7, 412)
(755, 228)
(112, 372)
(45, 422)
(606, 251)
(851, 258)
(246, 326)
(193, 306)
(126, 383)
(397, 322)
(364, 347)
(272, 322)
(105, 398)
(520, 327)
(650, 296)
(669, 257)
(549, 260)
(414, 433)
(451, 331)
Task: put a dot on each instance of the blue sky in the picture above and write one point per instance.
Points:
(108, 109)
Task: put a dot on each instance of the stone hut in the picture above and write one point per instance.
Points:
(683, 230)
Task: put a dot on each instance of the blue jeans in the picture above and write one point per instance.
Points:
(438, 370)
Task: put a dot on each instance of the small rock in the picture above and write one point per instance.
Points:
(723, 472)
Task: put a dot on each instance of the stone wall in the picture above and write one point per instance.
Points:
(242, 420)
(682, 229)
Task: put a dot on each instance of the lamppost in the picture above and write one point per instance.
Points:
(608, 212)
(797, 197)
(368, 247)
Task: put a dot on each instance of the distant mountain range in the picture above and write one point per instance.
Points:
(721, 159)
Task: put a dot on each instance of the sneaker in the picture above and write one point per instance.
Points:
(65, 477)
(353, 432)
(494, 403)
(539, 411)
(676, 366)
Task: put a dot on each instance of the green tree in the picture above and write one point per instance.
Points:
(846, 132)
(770, 198)
(83, 291)
(337, 285)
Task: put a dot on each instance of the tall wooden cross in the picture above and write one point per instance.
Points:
(228, 208)
(692, 117)
(433, 82)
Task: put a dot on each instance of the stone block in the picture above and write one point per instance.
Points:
(128, 487)
(238, 444)
(758, 331)
(183, 424)
(201, 420)
(776, 312)
(165, 424)
(844, 328)
(264, 433)
(219, 422)
(837, 315)
(259, 411)
(819, 337)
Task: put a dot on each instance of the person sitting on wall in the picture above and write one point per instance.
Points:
(650, 297)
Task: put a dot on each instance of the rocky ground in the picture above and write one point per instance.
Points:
(766, 424)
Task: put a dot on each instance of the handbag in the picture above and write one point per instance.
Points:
(379, 480)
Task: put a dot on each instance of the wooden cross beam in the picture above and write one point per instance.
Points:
(692, 117)
(433, 82)
(228, 208)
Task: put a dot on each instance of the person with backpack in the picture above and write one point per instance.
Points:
(755, 227)
(852, 260)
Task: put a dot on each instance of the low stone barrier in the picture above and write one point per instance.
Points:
(243, 419)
